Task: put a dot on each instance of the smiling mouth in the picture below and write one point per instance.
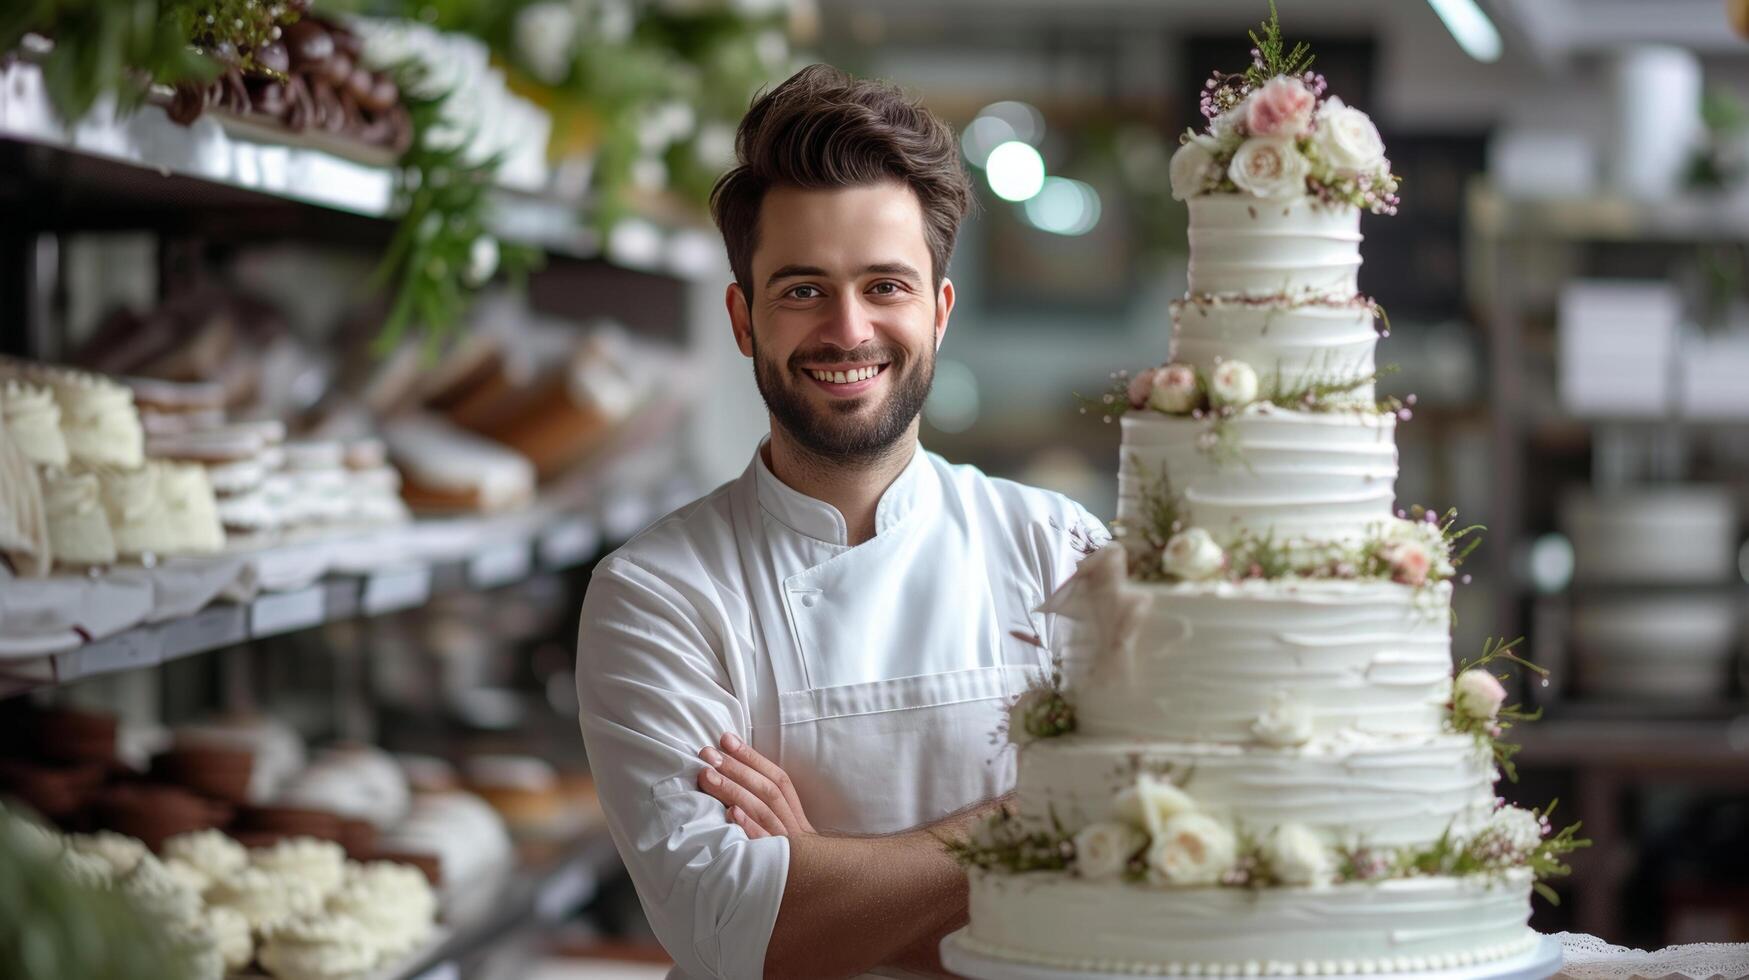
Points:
(852, 376)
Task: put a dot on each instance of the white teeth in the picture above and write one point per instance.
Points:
(846, 377)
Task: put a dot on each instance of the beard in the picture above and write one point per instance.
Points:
(846, 430)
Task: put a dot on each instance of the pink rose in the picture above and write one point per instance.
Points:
(1409, 562)
(1140, 386)
(1282, 107)
(1478, 694)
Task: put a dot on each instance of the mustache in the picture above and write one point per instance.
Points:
(837, 355)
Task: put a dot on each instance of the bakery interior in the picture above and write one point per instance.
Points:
(332, 370)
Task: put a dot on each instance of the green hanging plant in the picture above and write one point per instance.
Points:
(110, 47)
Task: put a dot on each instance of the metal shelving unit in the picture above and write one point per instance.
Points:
(1613, 750)
(55, 183)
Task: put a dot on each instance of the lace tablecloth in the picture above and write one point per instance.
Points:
(1590, 958)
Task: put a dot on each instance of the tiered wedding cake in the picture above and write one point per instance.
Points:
(1255, 758)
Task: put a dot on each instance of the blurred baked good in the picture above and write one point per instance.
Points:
(219, 771)
(464, 834)
(358, 782)
(211, 852)
(155, 813)
(160, 508)
(318, 947)
(277, 749)
(32, 419)
(265, 898)
(523, 789)
(447, 470)
(393, 901)
(24, 524)
(79, 531)
(322, 863)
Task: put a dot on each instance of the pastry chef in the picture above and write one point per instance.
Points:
(790, 687)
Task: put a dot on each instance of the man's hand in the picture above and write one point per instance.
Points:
(759, 796)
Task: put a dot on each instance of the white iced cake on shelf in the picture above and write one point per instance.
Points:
(1254, 758)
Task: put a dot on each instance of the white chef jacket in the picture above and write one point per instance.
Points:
(875, 675)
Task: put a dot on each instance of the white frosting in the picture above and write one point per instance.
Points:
(394, 901)
(121, 852)
(32, 419)
(1241, 245)
(461, 830)
(1369, 927)
(98, 418)
(266, 898)
(79, 532)
(168, 898)
(320, 947)
(1284, 343)
(1320, 476)
(231, 936)
(212, 852)
(1349, 789)
(161, 508)
(1209, 660)
(321, 863)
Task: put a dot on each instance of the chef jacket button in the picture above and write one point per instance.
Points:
(809, 600)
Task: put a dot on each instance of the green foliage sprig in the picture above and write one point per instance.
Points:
(1268, 58)
(434, 262)
(108, 47)
(1002, 843)
(1490, 733)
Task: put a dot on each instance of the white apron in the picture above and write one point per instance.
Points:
(875, 738)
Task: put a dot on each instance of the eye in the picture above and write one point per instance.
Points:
(804, 291)
(886, 287)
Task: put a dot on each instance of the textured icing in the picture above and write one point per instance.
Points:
(1348, 788)
(79, 532)
(1242, 245)
(33, 420)
(1209, 659)
(1327, 476)
(1293, 342)
(1369, 927)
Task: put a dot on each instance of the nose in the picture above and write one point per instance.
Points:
(848, 324)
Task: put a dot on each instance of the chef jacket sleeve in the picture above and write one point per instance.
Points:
(653, 691)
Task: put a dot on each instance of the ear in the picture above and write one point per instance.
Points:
(943, 310)
(740, 319)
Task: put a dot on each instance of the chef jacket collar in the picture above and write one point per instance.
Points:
(822, 521)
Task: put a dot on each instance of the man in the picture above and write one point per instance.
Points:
(789, 688)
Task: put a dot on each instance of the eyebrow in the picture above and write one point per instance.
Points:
(899, 269)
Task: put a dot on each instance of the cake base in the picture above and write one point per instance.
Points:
(967, 957)
(1420, 926)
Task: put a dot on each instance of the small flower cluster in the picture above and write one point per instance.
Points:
(1412, 552)
(1159, 836)
(1041, 712)
(1478, 702)
(1185, 391)
(1273, 133)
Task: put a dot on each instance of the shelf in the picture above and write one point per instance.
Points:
(1681, 220)
(1671, 747)
(543, 892)
(521, 545)
(107, 169)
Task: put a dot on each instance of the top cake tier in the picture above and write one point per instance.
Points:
(1291, 249)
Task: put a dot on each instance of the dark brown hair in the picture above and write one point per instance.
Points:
(823, 129)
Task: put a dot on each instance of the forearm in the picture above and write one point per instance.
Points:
(851, 904)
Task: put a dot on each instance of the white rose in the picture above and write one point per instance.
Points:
(546, 34)
(482, 260)
(1193, 167)
(1297, 856)
(1347, 139)
(1233, 384)
(1150, 803)
(1285, 724)
(1102, 850)
(1269, 166)
(1193, 849)
(1174, 389)
(1191, 554)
